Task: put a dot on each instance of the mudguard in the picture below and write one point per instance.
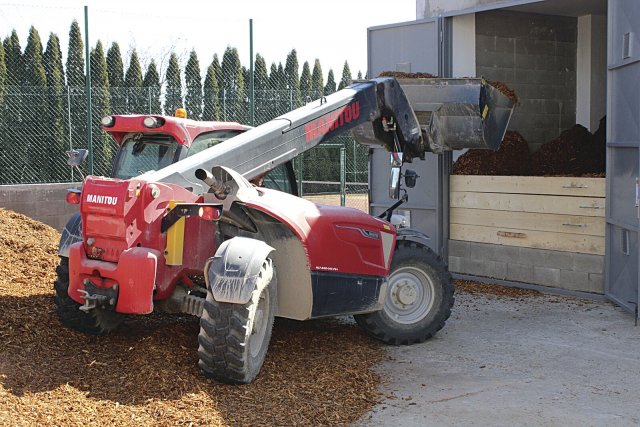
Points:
(412, 235)
(71, 234)
(232, 273)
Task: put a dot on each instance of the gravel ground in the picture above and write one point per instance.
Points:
(507, 359)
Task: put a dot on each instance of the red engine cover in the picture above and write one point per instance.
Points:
(337, 239)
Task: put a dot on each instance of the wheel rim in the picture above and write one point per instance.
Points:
(409, 296)
(260, 324)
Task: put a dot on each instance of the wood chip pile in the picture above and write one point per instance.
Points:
(316, 373)
(403, 75)
(576, 152)
(512, 158)
(506, 90)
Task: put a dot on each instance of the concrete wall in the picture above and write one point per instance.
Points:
(591, 96)
(564, 270)
(464, 45)
(43, 202)
(536, 56)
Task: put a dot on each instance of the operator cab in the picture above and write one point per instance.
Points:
(142, 152)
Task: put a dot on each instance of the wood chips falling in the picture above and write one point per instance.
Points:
(473, 287)
(316, 372)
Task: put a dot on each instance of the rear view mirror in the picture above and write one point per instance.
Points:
(394, 183)
(410, 178)
(76, 157)
(394, 179)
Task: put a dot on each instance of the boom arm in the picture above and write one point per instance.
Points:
(379, 101)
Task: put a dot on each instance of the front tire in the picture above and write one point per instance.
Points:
(234, 338)
(418, 301)
(96, 322)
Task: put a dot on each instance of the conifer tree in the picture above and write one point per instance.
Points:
(102, 143)
(292, 78)
(233, 85)
(305, 82)
(38, 167)
(359, 75)
(136, 102)
(217, 68)
(346, 76)
(173, 93)
(75, 58)
(76, 87)
(3, 118)
(54, 72)
(211, 109)
(10, 131)
(330, 87)
(317, 81)
(193, 95)
(261, 84)
(14, 60)
(3, 76)
(151, 85)
(115, 72)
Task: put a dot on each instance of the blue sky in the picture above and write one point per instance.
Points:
(331, 30)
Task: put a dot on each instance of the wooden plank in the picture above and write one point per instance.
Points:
(561, 186)
(571, 224)
(529, 239)
(582, 206)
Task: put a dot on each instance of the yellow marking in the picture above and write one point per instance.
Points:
(386, 227)
(175, 240)
(485, 111)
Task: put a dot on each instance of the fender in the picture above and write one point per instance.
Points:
(232, 273)
(71, 234)
(412, 235)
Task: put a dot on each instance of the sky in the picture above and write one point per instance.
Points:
(330, 30)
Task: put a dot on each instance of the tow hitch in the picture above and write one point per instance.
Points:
(95, 296)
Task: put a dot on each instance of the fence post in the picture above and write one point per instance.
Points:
(343, 173)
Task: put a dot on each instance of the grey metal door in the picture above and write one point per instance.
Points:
(623, 160)
(411, 47)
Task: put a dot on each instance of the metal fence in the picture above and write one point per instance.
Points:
(38, 125)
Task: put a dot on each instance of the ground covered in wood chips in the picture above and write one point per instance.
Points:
(316, 372)
(472, 287)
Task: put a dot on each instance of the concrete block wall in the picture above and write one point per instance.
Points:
(43, 202)
(563, 270)
(535, 55)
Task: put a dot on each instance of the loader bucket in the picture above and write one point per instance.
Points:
(456, 113)
(465, 112)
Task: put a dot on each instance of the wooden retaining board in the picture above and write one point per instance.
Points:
(560, 186)
(563, 205)
(528, 238)
(570, 224)
(563, 214)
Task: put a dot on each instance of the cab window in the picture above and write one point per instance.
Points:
(278, 179)
(210, 139)
(142, 153)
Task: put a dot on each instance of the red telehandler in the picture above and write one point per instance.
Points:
(180, 228)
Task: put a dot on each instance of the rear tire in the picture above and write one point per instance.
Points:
(96, 322)
(234, 338)
(418, 301)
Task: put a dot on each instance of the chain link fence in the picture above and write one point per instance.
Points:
(43, 113)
